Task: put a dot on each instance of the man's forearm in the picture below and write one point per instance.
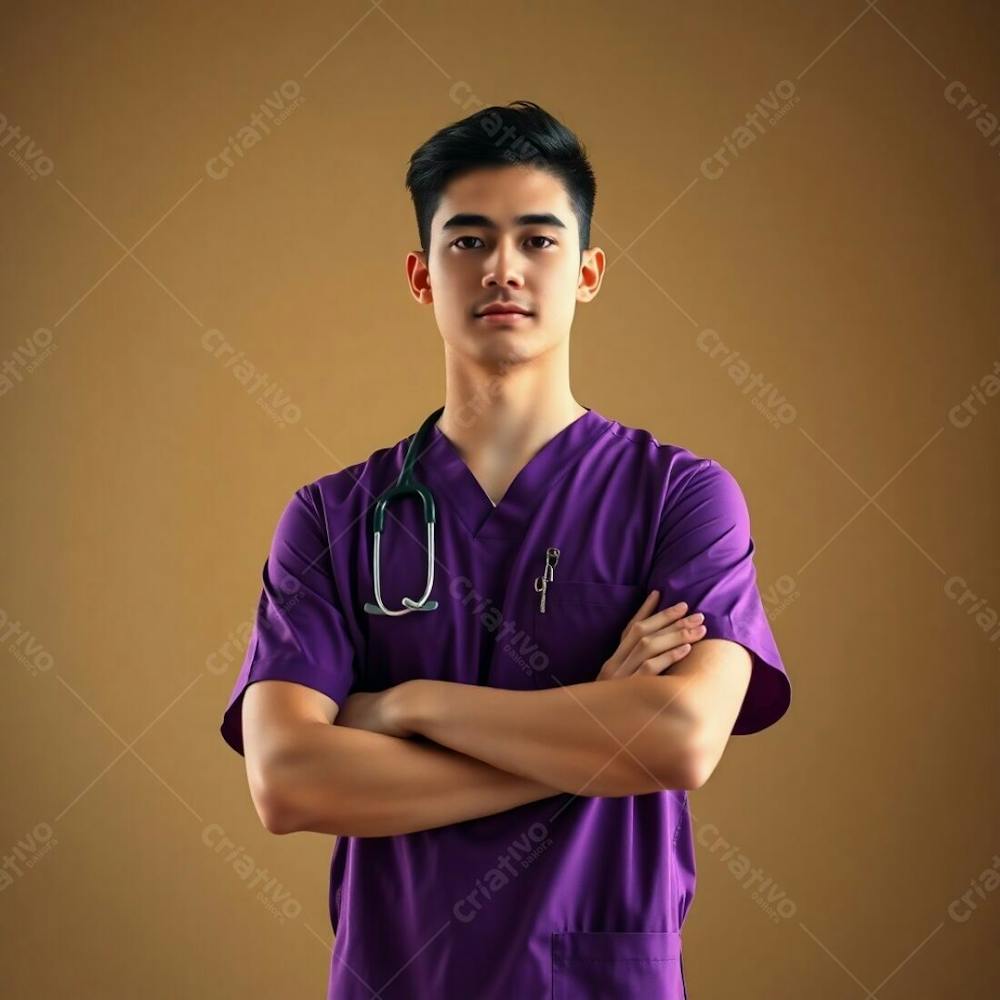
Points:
(349, 782)
(615, 737)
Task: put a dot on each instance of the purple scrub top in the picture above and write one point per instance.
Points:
(571, 897)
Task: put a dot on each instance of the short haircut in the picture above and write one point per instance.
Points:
(521, 133)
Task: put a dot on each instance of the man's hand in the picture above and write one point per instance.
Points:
(376, 712)
(651, 645)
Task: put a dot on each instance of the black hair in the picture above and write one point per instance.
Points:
(519, 133)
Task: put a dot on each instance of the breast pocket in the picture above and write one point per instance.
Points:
(580, 628)
(599, 965)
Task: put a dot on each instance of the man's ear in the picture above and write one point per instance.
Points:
(592, 267)
(418, 276)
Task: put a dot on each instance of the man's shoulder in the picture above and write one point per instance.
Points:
(672, 462)
(361, 482)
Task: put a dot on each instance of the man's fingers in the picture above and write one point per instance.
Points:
(670, 637)
(661, 618)
(624, 662)
(658, 664)
(644, 609)
(613, 665)
(667, 616)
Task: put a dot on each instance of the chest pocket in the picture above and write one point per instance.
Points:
(580, 628)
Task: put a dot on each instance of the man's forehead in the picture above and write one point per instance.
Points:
(504, 196)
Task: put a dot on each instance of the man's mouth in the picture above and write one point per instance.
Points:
(506, 316)
(503, 310)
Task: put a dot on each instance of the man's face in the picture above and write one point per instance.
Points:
(484, 251)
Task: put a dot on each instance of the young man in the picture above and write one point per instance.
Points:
(506, 762)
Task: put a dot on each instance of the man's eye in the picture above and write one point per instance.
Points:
(549, 241)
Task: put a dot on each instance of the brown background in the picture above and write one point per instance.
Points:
(849, 254)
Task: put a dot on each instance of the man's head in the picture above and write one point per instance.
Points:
(503, 201)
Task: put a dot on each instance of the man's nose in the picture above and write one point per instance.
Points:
(504, 268)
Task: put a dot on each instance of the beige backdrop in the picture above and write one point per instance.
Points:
(848, 253)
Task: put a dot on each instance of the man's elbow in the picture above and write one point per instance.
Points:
(652, 767)
(276, 818)
(698, 774)
(272, 808)
(679, 772)
(704, 752)
(675, 747)
(268, 775)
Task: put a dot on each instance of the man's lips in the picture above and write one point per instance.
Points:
(503, 310)
(506, 316)
(502, 305)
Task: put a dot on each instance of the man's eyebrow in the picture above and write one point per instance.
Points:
(465, 220)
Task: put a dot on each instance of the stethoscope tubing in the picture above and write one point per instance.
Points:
(405, 485)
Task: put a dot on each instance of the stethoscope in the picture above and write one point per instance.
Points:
(406, 483)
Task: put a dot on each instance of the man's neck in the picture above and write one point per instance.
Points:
(497, 433)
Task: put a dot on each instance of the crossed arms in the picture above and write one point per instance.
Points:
(429, 753)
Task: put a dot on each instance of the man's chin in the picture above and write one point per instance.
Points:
(498, 346)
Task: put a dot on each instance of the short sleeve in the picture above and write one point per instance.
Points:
(299, 632)
(704, 556)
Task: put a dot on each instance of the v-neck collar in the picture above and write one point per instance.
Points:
(452, 482)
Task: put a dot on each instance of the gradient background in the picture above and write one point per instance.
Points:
(849, 254)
